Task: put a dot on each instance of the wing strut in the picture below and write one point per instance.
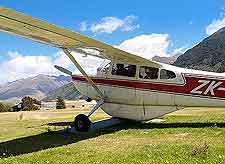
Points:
(83, 72)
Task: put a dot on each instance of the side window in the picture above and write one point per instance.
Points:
(148, 72)
(124, 70)
(166, 74)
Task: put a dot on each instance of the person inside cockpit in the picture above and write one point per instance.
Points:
(121, 70)
(142, 73)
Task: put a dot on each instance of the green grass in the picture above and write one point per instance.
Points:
(194, 135)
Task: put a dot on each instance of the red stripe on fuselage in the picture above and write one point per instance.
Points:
(191, 82)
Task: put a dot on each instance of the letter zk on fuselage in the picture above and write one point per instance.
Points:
(208, 87)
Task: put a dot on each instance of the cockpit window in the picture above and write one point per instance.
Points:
(106, 68)
(103, 69)
(148, 72)
(124, 70)
(166, 74)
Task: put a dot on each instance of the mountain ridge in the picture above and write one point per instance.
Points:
(208, 55)
(166, 60)
(38, 87)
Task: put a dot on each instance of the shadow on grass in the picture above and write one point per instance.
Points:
(55, 139)
(60, 123)
(138, 125)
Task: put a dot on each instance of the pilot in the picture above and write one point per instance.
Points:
(142, 73)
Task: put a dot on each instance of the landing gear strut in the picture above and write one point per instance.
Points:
(82, 122)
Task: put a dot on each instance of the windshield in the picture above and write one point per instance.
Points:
(104, 68)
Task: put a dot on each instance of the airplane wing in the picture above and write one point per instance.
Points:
(17, 23)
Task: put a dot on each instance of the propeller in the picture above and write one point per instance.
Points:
(64, 70)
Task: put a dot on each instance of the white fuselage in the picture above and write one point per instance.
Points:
(141, 99)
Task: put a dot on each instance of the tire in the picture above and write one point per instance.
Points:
(82, 123)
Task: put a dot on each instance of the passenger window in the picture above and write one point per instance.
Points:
(124, 70)
(148, 72)
(165, 74)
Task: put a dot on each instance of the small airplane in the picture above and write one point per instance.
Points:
(128, 86)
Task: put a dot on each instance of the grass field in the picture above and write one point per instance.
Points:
(193, 135)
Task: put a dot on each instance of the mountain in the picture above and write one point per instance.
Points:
(166, 60)
(68, 92)
(208, 55)
(38, 87)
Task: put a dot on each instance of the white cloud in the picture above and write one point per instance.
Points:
(83, 26)
(61, 59)
(180, 50)
(88, 63)
(24, 66)
(18, 66)
(13, 54)
(147, 46)
(111, 24)
(215, 26)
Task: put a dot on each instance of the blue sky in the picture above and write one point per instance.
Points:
(181, 23)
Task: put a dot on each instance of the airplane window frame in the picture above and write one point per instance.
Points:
(125, 73)
(149, 76)
(169, 78)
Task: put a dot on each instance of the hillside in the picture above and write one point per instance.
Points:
(68, 92)
(166, 60)
(208, 55)
(38, 87)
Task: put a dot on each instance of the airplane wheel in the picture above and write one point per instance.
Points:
(82, 123)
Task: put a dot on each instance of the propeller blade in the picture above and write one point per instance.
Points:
(64, 70)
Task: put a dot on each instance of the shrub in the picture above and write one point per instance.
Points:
(8, 107)
(200, 149)
(60, 104)
(4, 107)
(26, 109)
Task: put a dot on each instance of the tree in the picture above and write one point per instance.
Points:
(60, 104)
(4, 107)
(28, 104)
